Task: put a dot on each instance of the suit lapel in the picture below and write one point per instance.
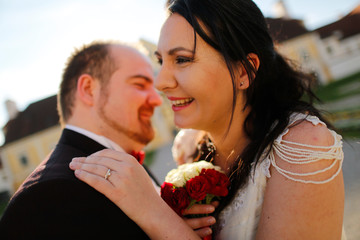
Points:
(88, 146)
(81, 142)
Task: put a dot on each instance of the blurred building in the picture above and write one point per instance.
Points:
(340, 44)
(5, 183)
(31, 135)
(330, 52)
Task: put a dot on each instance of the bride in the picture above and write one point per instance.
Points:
(223, 76)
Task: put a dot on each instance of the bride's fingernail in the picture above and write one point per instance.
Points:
(211, 220)
(75, 159)
(210, 209)
(208, 231)
(73, 165)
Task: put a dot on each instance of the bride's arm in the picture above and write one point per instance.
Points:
(304, 200)
(131, 189)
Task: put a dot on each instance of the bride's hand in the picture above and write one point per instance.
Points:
(128, 185)
(201, 225)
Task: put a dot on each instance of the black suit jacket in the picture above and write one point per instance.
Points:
(53, 204)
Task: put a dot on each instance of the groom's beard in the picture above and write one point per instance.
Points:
(143, 136)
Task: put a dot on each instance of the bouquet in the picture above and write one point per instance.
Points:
(198, 182)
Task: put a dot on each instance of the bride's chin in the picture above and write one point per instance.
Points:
(181, 122)
(184, 123)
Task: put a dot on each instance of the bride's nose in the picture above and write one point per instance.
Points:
(165, 79)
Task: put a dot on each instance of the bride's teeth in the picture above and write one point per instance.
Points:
(182, 102)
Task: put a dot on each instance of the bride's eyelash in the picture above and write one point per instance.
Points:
(181, 60)
(178, 60)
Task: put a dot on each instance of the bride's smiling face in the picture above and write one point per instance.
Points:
(198, 84)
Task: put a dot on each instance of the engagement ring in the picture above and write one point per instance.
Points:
(108, 174)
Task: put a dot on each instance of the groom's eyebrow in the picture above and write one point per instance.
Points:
(146, 78)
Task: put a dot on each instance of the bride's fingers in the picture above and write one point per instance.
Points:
(90, 168)
(202, 222)
(97, 182)
(203, 232)
(118, 156)
(215, 203)
(200, 209)
(107, 162)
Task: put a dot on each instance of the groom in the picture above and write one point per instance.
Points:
(106, 100)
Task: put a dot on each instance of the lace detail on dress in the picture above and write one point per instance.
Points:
(245, 208)
(266, 167)
(299, 154)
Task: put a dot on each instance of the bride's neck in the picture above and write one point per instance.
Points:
(228, 148)
(231, 141)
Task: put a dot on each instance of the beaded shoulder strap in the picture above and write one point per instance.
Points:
(300, 154)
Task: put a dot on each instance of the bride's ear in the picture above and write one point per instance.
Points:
(243, 80)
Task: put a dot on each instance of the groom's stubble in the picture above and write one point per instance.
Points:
(143, 135)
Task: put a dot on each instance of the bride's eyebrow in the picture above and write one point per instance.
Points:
(174, 50)
(156, 53)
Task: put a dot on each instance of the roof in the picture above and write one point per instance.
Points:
(347, 26)
(35, 118)
(356, 10)
(282, 29)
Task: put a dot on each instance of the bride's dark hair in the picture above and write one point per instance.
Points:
(236, 28)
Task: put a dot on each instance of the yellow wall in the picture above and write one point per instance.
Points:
(294, 49)
(35, 147)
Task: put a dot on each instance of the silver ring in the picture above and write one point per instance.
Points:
(107, 174)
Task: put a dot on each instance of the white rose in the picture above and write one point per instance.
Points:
(203, 165)
(217, 168)
(169, 175)
(184, 166)
(175, 177)
(178, 177)
(190, 171)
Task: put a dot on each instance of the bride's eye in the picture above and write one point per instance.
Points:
(160, 61)
(180, 60)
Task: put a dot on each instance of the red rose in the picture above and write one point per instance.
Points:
(219, 182)
(181, 200)
(208, 237)
(211, 175)
(176, 198)
(197, 187)
(167, 191)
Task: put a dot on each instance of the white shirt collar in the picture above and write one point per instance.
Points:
(98, 138)
(103, 141)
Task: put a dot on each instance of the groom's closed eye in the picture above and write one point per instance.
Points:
(141, 81)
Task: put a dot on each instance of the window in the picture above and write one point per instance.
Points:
(24, 160)
(305, 56)
(329, 50)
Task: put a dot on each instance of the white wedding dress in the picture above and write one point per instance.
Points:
(239, 220)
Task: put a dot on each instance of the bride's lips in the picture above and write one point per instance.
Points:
(180, 103)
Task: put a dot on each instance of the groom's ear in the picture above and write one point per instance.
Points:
(243, 79)
(86, 87)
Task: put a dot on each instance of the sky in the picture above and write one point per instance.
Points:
(37, 36)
